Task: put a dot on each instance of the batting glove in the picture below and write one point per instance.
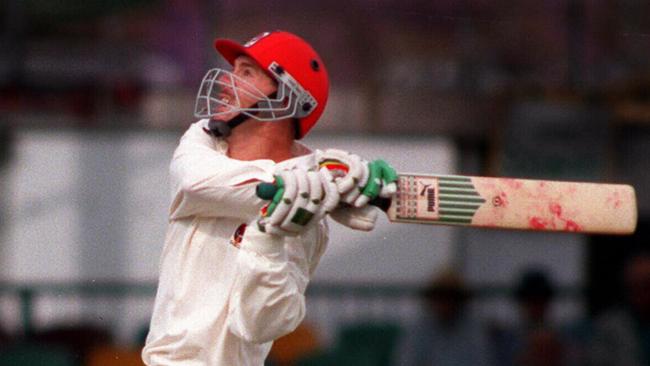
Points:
(302, 198)
(358, 181)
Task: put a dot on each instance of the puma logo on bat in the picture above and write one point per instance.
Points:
(424, 189)
(431, 196)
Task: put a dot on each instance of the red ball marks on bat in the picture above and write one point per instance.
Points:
(501, 200)
(556, 209)
(537, 223)
(512, 183)
(497, 201)
(572, 226)
(614, 200)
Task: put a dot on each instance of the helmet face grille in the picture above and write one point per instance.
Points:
(223, 94)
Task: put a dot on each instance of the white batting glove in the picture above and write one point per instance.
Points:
(357, 218)
(350, 172)
(302, 199)
(358, 180)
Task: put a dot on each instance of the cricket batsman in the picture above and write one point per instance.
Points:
(234, 268)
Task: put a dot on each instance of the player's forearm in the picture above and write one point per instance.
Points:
(205, 201)
(215, 186)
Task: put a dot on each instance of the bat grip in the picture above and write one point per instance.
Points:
(266, 191)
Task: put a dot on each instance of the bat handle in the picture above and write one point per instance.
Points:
(266, 191)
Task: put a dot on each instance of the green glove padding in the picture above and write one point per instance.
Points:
(277, 197)
(380, 174)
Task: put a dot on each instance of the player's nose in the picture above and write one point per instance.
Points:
(224, 77)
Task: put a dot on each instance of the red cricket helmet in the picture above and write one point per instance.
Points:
(289, 60)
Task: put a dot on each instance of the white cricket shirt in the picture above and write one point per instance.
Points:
(220, 302)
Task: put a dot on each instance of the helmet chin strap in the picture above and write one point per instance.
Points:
(224, 128)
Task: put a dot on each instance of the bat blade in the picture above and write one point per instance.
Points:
(508, 203)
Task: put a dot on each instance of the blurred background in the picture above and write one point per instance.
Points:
(94, 96)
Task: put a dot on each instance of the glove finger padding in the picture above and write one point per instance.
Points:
(353, 194)
(358, 181)
(279, 208)
(288, 197)
(381, 182)
(389, 180)
(315, 192)
(331, 194)
(388, 190)
(298, 215)
(307, 197)
(357, 218)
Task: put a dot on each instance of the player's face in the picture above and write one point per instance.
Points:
(251, 84)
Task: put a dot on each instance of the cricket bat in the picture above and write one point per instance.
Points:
(508, 203)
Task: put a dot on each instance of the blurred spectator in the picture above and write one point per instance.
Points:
(5, 338)
(446, 335)
(532, 339)
(534, 295)
(542, 347)
(6, 143)
(6, 146)
(622, 335)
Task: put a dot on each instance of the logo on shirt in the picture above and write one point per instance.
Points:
(237, 236)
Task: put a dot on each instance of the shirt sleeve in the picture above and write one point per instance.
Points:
(206, 182)
(268, 299)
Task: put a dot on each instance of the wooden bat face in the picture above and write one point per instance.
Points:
(509, 203)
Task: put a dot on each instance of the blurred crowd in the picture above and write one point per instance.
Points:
(450, 334)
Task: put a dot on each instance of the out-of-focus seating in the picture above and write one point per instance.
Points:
(78, 339)
(114, 356)
(34, 354)
(298, 344)
(360, 344)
